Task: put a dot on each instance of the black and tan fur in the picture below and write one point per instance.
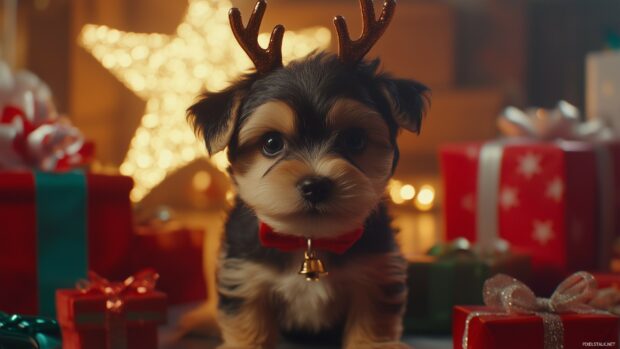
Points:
(315, 104)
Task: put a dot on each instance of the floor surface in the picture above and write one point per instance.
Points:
(194, 342)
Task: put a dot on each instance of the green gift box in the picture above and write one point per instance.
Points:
(437, 283)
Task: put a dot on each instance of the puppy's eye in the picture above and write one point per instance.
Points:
(273, 143)
(353, 140)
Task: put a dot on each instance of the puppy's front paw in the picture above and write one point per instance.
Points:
(383, 345)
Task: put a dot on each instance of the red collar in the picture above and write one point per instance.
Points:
(288, 243)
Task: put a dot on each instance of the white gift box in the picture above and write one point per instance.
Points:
(603, 87)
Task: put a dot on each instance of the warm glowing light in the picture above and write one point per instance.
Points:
(230, 197)
(169, 71)
(407, 192)
(426, 198)
(394, 187)
(201, 180)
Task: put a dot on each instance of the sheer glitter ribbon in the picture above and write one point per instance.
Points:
(510, 296)
(115, 292)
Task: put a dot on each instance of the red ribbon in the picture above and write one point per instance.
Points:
(140, 283)
(288, 243)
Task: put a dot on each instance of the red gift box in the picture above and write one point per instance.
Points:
(177, 255)
(495, 330)
(546, 202)
(95, 320)
(108, 223)
(606, 280)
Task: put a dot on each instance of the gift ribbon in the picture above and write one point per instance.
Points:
(561, 123)
(28, 332)
(508, 296)
(52, 144)
(62, 245)
(115, 292)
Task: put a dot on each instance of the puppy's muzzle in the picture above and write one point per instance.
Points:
(315, 189)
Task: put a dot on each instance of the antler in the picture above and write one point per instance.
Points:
(264, 60)
(351, 52)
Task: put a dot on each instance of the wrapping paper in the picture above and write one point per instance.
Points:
(32, 134)
(526, 331)
(554, 198)
(107, 315)
(176, 253)
(72, 222)
(436, 284)
(515, 318)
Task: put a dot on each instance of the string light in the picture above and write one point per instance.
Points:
(394, 187)
(407, 192)
(201, 180)
(230, 197)
(169, 71)
(425, 199)
(400, 193)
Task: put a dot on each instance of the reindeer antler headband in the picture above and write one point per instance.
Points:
(349, 51)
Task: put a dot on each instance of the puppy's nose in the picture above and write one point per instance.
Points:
(315, 189)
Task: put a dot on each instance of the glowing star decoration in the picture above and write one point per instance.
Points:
(169, 71)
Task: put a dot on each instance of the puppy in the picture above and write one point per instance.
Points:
(311, 147)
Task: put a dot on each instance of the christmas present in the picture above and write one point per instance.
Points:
(55, 227)
(100, 314)
(32, 133)
(455, 275)
(176, 253)
(514, 318)
(606, 280)
(28, 332)
(608, 293)
(539, 194)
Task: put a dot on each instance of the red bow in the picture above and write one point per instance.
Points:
(142, 282)
(288, 243)
(49, 145)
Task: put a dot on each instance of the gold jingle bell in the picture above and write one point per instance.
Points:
(312, 267)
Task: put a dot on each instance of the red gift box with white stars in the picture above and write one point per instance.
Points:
(546, 203)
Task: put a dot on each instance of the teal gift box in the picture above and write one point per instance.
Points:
(56, 226)
(439, 282)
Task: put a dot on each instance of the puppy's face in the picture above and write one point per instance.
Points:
(312, 145)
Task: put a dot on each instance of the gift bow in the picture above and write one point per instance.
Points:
(139, 283)
(50, 145)
(511, 296)
(562, 122)
(28, 332)
(514, 297)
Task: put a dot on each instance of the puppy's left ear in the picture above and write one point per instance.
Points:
(408, 100)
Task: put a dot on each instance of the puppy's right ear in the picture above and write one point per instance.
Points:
(214, 117)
